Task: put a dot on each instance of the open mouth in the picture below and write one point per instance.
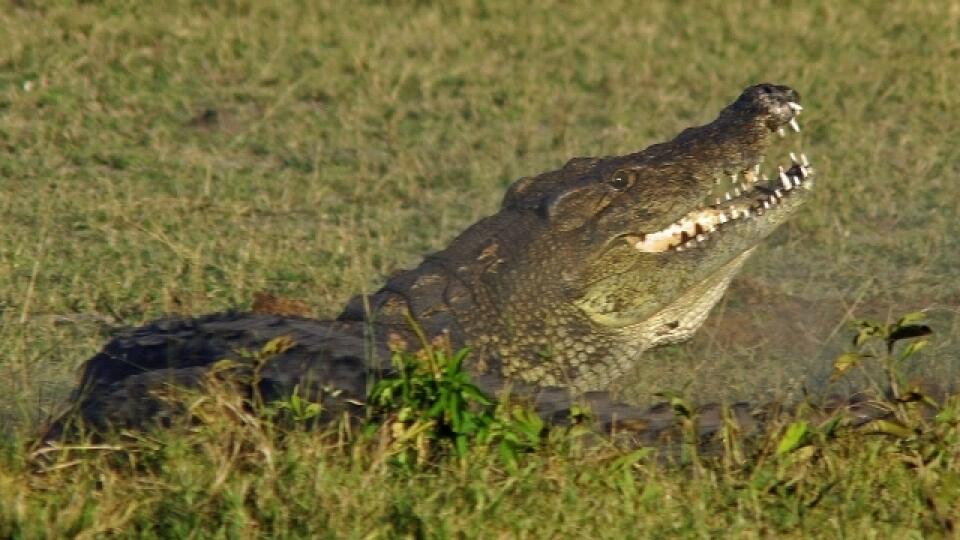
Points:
(744, 196)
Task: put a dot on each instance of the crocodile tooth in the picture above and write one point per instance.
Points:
(794, 125)
(766, 205)
(796, 181)
(793, 158)
(723, 217)
(781, 132)
(743, 186)
(736, 192)
(785, 181)
(701, 238)
(778, 193)
(678, 247)
(803, 160)
(727, 195)
(803, 171)
(795, 106)
(718, 201)
(733, 178)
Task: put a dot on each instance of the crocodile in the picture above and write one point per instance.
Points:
(556, 295)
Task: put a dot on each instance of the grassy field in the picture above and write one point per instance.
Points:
(180, 157)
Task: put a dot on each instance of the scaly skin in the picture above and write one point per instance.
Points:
(581, 270)
(551, 289)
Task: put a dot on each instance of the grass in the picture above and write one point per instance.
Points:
(180, 158)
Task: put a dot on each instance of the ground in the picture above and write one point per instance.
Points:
(158, 160)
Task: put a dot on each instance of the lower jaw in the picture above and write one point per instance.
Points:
(678, 320)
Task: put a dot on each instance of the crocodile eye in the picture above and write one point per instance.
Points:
(620, 180)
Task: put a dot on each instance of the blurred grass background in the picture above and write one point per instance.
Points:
(180, 156)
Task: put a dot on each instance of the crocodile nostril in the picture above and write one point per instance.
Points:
(778, 92)
(791, 95)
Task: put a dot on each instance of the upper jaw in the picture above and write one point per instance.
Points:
(741, 191)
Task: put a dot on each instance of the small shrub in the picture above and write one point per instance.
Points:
(430, 404)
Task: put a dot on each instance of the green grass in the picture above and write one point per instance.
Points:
(180, 157)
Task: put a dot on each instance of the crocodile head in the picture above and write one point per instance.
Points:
(645, 244)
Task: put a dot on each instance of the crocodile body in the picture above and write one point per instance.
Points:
(557, 294)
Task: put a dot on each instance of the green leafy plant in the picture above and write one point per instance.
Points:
(430, 404)
(872, 341)
(299, 409)
(878, 341)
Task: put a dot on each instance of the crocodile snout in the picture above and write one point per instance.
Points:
(780, 103)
